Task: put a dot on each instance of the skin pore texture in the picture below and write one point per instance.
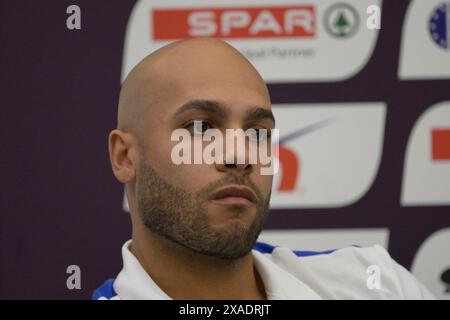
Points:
(192, 246)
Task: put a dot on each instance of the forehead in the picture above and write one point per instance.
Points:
(212, 73)
(236, 91)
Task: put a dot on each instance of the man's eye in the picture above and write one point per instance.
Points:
(198, 127)
(257, 134)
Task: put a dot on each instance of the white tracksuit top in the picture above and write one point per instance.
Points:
(347, 273)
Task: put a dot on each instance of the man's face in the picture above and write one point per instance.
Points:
(176, 201)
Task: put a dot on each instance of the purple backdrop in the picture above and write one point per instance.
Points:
(61, 205)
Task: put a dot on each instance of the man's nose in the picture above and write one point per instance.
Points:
(235, 159)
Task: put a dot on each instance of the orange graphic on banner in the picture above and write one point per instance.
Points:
(290, 169)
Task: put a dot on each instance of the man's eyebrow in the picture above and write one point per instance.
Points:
(259, 113)
(208, 106)
(221, 110)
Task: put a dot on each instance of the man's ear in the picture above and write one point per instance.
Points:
(123, 155)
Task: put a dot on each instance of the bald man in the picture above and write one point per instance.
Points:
(195, 226)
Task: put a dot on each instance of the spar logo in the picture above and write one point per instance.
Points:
(285, 41)
(234, 22)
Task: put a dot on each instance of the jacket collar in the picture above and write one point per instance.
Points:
(133, 283)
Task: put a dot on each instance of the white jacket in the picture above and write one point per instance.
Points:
(347, 273)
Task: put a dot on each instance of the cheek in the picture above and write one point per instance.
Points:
(186, 176)
(158, 153)
(192, 177)
(264, 183)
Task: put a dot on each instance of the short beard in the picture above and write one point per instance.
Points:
(181, 216)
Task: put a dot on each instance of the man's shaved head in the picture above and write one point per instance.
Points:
(163, 72)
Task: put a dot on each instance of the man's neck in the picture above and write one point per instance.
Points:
(184, 274)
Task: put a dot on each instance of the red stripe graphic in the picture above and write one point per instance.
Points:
(440, 144)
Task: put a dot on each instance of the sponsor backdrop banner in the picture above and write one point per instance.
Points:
(363, 111)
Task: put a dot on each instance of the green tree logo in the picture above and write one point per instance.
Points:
(341, 20)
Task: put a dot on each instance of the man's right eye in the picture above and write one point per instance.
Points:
(198, 127)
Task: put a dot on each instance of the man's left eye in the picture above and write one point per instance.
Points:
(258, 134)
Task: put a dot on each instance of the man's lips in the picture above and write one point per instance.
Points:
(234, 195)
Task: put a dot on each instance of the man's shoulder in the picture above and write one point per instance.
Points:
(351, 272)
(351, 260)
(106, 291)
